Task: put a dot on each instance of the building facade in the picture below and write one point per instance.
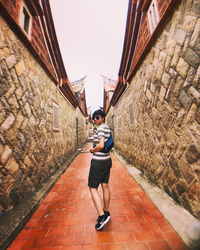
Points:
(79, 89)
(109, 87)
(41, 123)
(155, 109)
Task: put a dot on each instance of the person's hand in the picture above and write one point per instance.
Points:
(91, 151)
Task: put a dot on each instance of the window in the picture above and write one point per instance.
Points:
(153, 16)
(55, 116)
(25, 20)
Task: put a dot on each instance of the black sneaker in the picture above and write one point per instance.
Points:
(107, 213)
(102, 221)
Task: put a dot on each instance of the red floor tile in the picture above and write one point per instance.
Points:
(65, 219)
(144, 236)
(71, 248)
(174, 240)
(123, 236)
(115, 246)
(137, 246)
(50, 248)
(155, 245)
(93, 247)
(42, 242)
(63, 241)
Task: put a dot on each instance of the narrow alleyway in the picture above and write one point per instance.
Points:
(66, 217)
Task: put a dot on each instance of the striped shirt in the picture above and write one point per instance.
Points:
(103, 131)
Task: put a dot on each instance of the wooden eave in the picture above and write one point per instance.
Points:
(56, 55)
(131, 34)
(34, 7)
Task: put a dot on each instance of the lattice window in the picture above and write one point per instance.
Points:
(25, 19)
(55, 116)
(153, 15)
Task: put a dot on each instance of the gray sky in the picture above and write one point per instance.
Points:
(91, 37)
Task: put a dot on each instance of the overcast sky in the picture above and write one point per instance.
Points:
(91, 36)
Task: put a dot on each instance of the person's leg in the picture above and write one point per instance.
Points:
(106, 196)
(97, 200)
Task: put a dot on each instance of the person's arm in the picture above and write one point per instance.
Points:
(99, 146)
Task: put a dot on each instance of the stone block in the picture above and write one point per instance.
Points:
(5, 155)
(20, 68)
(173, 73)
(176, 56)
(192, 154)
(195, 34)
(14, 77)
(185, 100)
(168, 62)
(186, 170)
(174, 103)
(182, 67)
(166, 78)
(181, 187)
(180, 36)
(170, 137)
(197, 117)
(191, 114)
(28, 110)
(18, 93)
(171, 178)
(14, 196)
(170, 47)
(189, 22)
(10, 61)
(192, 58)
(6, 184)
(174, 166)
(152, 88)
(7, 124)
(4, 87)
(12, 167)
(13, 103)
(170, 90)
(190, 77)
(194, 94)
(196, 7)
(162, 93)
(196, 81)
(194, 192)
(149, 95)
(4, 53)
(4, 69)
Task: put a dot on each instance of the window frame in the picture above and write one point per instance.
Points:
(153, 15)
(22, 19)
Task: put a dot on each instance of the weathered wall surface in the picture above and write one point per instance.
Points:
(157, 120)
(30, 150)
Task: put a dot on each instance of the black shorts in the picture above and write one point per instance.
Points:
(99, 172)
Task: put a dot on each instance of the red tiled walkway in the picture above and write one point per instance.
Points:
(66, 217)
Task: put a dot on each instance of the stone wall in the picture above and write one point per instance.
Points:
(30, 149)
(157, 119)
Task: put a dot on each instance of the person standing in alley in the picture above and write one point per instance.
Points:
(101, 164)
